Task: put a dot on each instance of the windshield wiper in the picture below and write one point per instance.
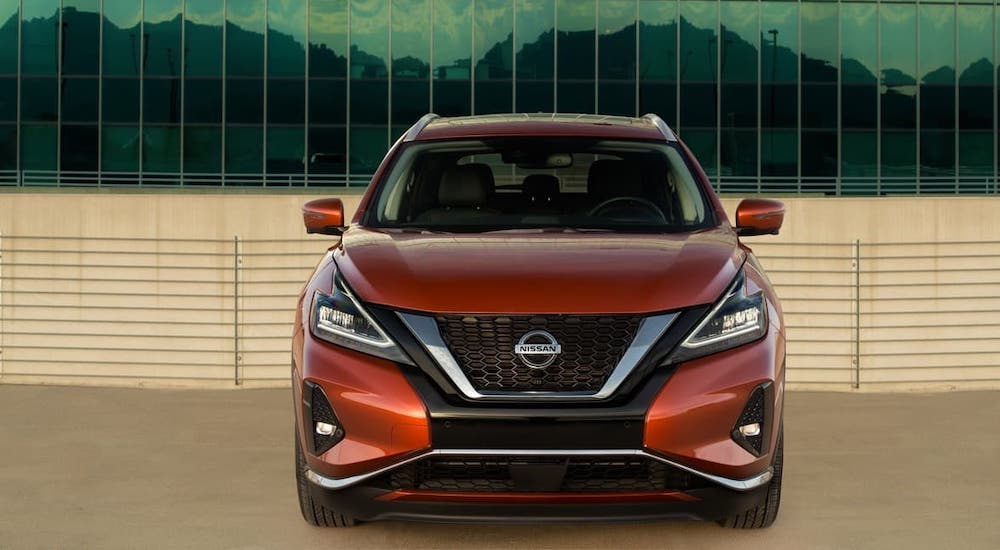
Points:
(550, 229)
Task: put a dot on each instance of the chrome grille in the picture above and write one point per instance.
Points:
(592, 345)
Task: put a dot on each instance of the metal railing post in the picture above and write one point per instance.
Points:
(236, 310)
(857, 313)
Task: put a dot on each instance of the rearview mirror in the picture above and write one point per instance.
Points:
(759, 217)
(324, 216)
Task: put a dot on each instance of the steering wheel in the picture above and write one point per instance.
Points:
(649, 206)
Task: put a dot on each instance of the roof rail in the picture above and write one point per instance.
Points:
(664, 129)
(419, 126)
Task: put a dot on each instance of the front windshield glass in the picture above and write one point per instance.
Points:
(531, 183)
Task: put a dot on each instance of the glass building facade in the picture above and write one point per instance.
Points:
(772, 96)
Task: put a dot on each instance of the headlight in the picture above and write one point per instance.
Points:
(340, 319)
(737, 319)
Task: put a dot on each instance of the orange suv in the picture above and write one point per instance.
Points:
(539, 318)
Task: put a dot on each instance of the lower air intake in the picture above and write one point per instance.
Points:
(320, 412)
(753, 413)
(541, 474)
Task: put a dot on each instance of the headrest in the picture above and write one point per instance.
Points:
(541, 187)
(609, 178)
(486, 173)
(465, 185)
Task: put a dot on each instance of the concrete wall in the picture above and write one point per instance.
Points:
(277, 216)
(141, 288)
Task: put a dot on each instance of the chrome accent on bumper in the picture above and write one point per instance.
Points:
(425, 329)
(734, 484)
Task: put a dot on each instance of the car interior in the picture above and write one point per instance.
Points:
(523, 187)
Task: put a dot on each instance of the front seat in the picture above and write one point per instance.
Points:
(462, 195)
(541, 192)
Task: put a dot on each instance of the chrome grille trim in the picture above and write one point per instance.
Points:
(427, 332)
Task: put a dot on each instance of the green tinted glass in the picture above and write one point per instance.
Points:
(494, 56)
(699, 73)
(286, 101)
(39, 37)
(9, 16)
(162, 42)
(122, 47)
(120, 148)
(244, 149)
(161, 149)
(286, 150)
(859, 150)
(120, 98)
(161, 100)
(245, 37)
(203, 38)
(368, 146)
(575, 60)
(411, 43)
(38, 147)
(81, 36)
(658, 58)
(328, 38)
(8, 147)
(975, 154)
(203, 150)
(8, 99)
(369, 61)
(79, 100)
(286, 38)
(975, 45)
(78, 148)
(39, 99)
(535, 55)
(616, 55)
(859, 55)
(779, 23)
(820, 44)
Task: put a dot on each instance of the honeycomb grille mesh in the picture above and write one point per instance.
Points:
(484, 349)
(754, 413)
(323, 412)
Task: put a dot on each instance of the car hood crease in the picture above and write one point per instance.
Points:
(538, 273)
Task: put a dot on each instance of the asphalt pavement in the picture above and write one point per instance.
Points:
(145, 468)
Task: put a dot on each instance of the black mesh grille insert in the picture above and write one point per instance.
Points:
(591, 347)
(546, 474)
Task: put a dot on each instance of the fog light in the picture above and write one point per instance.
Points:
(327, 430)
(748, 430)
(322, 428)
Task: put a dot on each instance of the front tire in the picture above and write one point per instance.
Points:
(764, 514)
(313, 512)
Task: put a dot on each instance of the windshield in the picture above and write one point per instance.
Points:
(530, 183)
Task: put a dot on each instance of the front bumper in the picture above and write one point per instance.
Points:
(336, 484)
(370, 503)
(681, 417)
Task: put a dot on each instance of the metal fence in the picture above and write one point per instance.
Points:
(741, 185)
(119, 310)
(160, 180)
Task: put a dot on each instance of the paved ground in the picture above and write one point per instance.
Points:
(112, 468)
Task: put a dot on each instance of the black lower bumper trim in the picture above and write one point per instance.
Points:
(363, 503)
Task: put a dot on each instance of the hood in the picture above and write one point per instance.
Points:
(538, 272)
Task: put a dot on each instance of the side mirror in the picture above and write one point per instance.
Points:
(324, 216)
(759, 217)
